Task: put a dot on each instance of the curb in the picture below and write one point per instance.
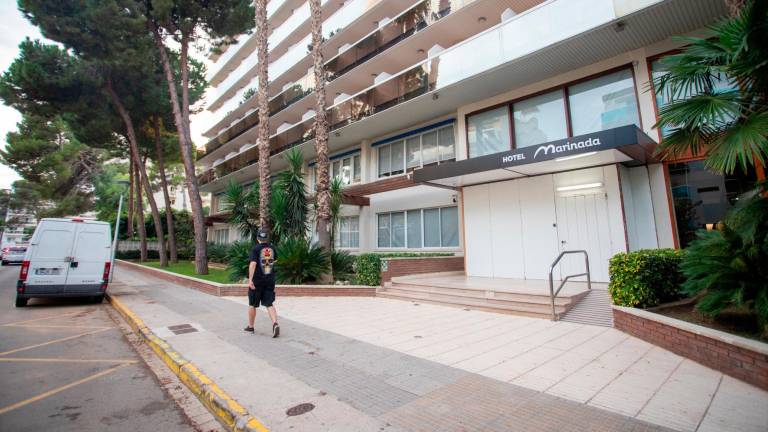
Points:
(226, 410)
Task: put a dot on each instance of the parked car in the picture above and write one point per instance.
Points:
(66, 258)
(14, 254)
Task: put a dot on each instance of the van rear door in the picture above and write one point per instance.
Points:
(89, 254)
(49, 255)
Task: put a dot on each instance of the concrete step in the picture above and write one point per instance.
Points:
(480, 293)
(534, 313)
(460, 298)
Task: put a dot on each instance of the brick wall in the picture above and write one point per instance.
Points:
(732, 355)
(408, 266)
(242, 290)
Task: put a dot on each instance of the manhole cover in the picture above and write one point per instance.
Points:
(182, 328)
(300, 409)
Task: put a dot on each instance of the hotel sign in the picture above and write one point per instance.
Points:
(627, 139)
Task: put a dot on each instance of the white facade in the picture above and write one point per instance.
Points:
(429, 99)
(15, 234)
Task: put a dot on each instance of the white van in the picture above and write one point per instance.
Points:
(66, 258)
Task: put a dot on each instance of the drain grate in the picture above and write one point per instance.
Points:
(300, 409)
(182, 328)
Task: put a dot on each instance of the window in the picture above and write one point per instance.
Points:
(348, 232)
(659, 69)
(603, 103)
(421, 228)
(433, 147)
(488, 132)
(346, 167)
(221, 236)
(702, 198)
(540, 119)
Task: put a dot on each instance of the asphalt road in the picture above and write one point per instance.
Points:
(65, 365)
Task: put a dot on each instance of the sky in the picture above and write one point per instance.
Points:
(13, 29)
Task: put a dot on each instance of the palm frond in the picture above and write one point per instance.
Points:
(744, 144)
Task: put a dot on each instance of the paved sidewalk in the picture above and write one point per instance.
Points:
(385, 365)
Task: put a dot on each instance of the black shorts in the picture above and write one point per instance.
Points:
(263, 294)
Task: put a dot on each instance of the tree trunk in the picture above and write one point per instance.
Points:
(166, 196)
(322, 188)
(140, 217)
(262, 31)
(129, 222)
(187, 155)
(140, 170)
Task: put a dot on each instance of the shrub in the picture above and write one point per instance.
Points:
(238, 258)
(217, 252)
(342, 264)
(368, 269)
(730, 265)
(299, 262)
(645, 278)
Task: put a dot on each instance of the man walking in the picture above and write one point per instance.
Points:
(261, 277)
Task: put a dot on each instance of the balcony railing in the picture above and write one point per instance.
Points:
(413, 82)
(403, 26)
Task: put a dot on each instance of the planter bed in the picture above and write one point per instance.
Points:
(732, 355)
(219, 289)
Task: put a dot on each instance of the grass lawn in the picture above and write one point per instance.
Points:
(187, 268)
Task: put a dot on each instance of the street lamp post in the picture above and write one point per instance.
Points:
(117, 229)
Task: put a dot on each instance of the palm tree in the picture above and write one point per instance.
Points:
(262, 32)
(243, 207)
(730, 126)
(293, 192)
(322, 186)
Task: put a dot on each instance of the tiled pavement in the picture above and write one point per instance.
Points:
(376, 364)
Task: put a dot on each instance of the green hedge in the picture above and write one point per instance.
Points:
(136, 254)
(368, 265)
(645, 278)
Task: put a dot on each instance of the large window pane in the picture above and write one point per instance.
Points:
(429, 147)
(356, 169)
(432, 228)
(447, 150)
(414, 229)
(384, 230)
(384, 153)
(354, 232)
(336, 169)
(488, 132)
(346, 170)
(603, 103)
(398, 229)
(702, 198)
(540, 119)
(449, 226)
(398, 157)
(413, 151)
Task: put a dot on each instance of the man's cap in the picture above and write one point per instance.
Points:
(262, 234)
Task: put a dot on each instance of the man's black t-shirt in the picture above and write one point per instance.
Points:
(265, 255)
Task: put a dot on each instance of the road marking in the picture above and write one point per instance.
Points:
(54, 326)
(54, 341)
(40, 319)
(60, 389)
(62, 360)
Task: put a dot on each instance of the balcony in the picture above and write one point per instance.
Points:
(405, 86)
(407, 23)
(547, 40)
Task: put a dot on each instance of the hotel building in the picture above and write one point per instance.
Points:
(506, 131)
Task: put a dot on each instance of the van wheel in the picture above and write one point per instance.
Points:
(21, 302)
(98, 299)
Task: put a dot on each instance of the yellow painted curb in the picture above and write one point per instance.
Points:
(227, 410)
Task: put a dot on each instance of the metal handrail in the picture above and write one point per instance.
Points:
(552, 292)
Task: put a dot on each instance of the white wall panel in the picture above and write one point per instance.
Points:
(477, 231)
(537, 206)
(506, 225)
(660, 201)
